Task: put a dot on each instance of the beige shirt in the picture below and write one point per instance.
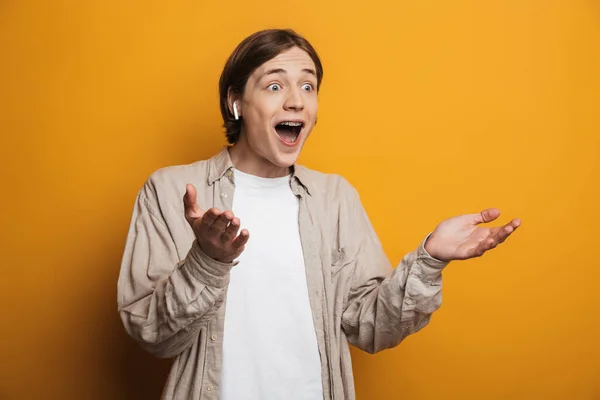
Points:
(171, 295)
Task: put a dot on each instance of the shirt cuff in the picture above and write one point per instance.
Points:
(207, 270)
(429, 265)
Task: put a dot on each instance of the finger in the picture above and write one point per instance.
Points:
(231, 231)
(484, 246)
(476, 251)
(240, 241)
(192, 210)
(220, 224)
(486, 215)
(500, 234)
(208, 219)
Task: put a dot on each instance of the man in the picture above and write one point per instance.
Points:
(259, 278)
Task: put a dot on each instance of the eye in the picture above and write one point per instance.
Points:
(274, 87)
(308, 87)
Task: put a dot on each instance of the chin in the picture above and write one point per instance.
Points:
(285, 160)
(289, 156)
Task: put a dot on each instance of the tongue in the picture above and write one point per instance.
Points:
(286, 133)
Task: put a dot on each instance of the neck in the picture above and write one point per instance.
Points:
(246, 160)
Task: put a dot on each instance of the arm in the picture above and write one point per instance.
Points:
(163, 301)
(385, 306)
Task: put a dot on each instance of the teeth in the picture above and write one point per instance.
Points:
(291, 123)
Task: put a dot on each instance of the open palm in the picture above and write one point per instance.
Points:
(460, 238)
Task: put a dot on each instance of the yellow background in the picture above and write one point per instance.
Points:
(430, 109)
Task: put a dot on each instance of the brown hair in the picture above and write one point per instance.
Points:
(250, 54)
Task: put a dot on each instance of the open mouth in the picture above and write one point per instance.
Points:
(289, 131)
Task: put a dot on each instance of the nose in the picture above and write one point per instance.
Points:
(294, 101)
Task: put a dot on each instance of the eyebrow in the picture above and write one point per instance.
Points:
(283, 71)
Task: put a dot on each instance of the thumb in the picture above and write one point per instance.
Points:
(487, 215)
(192, 210)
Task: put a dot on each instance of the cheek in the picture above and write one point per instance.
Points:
(257, 127)
(261, 112)
(312, 105)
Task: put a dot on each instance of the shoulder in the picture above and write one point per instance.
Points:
(177, 174)
(171, 181)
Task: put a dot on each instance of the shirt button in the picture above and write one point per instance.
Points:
(213, 337)
(223, 195)
(209, 388)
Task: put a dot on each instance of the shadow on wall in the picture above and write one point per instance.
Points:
(133, 373)
(139, 374)
(136, 374)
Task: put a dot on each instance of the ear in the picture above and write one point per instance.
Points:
(232, 97)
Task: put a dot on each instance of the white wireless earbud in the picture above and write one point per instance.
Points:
(235, 111)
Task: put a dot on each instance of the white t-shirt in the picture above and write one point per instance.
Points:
(269, 345)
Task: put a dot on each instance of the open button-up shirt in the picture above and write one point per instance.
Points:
(171, 295)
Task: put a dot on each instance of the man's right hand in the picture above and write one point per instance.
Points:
(215, 231)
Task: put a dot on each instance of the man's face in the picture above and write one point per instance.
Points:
(279, 107)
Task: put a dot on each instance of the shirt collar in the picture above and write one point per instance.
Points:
(220, 165)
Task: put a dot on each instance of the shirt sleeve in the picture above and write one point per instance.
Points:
(383, 305)
(164, 301)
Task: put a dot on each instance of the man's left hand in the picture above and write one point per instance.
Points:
(460, 238)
